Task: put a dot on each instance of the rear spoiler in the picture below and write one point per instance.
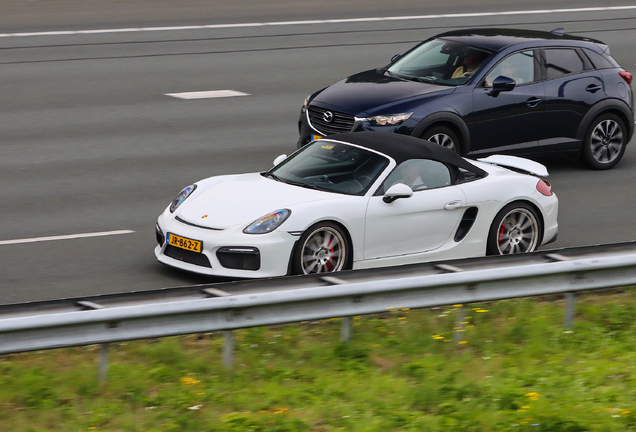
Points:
(517, 163)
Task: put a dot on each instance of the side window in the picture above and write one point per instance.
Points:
(519, 67)
(419, 174)
(562, 61)
(598, 60)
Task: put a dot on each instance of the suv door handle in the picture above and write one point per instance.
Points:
(453, 205)
(593, 88)
(533, 102)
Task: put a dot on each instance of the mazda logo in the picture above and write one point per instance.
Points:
(328, 116)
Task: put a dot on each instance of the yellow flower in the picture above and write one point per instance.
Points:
(438, 337)
(189, 381)
(533, 396)
(458, 305)
(463, 342)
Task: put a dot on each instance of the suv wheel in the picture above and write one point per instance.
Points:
(443, 136)
(604, 142)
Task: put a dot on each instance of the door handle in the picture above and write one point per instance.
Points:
(453, 205)
(592, 88)
(533, 102)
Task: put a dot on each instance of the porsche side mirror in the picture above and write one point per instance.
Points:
(395, 58)
(279, 159)
(502, 84)
(398, 190)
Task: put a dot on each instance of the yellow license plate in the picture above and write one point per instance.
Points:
(184, 243)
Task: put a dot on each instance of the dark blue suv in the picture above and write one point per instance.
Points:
(484, 91)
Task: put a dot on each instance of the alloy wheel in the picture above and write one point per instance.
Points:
(443, 140)
(606, 141)
(324, 251)
(518, 232)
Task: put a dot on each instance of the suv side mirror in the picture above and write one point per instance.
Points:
(502, 84)
(279, 159)
(398, 190)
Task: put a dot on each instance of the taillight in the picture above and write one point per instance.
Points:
(626, 76)
(544, 187)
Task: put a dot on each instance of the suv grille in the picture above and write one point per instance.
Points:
(341, 122)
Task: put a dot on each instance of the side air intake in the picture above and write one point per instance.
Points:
(468, 219)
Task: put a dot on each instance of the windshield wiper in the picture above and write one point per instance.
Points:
(291, 182)
(272, 176)
(305, 185)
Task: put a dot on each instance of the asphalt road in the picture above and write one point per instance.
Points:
(89, 142)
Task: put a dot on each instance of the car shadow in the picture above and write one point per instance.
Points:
(183, 277)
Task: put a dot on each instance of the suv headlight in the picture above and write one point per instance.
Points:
(185, 193)
(389, 119)
(268, 223)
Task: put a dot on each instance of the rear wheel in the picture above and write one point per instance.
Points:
(323, 248)
(515, 229)
(604, 142)
(443, 136)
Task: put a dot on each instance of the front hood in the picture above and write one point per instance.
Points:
(242, 199)
(368, 93)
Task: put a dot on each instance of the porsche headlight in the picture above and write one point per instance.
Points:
(390, 119)
(185, 193)
(268, 223)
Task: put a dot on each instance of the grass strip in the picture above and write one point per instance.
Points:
(515, 368)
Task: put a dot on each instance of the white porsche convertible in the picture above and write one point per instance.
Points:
(358, 200)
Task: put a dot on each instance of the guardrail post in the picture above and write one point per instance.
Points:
(346, 330)
(103, 363)
(458, 335)
(570, 307)
(228, 348)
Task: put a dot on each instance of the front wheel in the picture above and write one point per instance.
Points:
(604, 142)
(443, 136)
(323, 248)
(515, 229)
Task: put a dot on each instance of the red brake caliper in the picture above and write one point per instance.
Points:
(329, 265)
(501, 233)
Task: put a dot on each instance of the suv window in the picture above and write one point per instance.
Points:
(440, 61)
(562, 61)
(519, 67)
(598, 60)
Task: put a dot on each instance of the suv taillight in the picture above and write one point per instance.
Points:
(626, 76)
(544, 187)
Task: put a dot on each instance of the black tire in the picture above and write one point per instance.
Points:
(515, 229)
(323, 248)
(444, 136)
(605, 142)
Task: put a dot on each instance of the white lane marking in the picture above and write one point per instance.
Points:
(207, 94)
(64, 237)
(332, 21)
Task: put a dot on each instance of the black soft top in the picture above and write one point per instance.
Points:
(404, 147)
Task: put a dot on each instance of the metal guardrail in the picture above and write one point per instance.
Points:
(341, 299)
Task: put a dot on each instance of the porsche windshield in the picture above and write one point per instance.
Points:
(440, 61)
(331, 166)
